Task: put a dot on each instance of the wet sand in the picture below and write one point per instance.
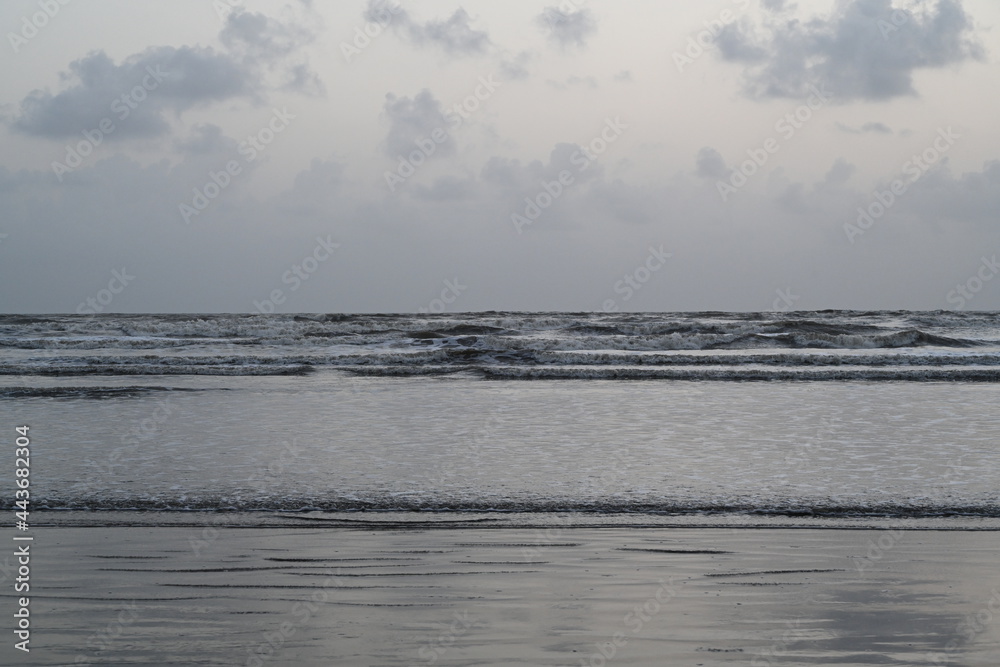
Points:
(468, 596)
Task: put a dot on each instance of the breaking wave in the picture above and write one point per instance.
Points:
(820, 345)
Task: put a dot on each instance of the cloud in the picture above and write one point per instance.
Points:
(568, 28)
(135, 94)
(865, 50)
(872, 127)
(724, 257)
(518, 178)
(972, 198)
(138, 93)
(710, 164)
(735, 42)
(303, 79)
(206, 139)
(268, 43)
(315, 191)
(775, 5)
(415, 119)
(588, 81)
(454, 35)
(624, 76)
(879, 128)
(445, 189)
(260, 37)
(514, 68)
(840, 172)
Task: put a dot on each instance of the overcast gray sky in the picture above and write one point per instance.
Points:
(302, 156)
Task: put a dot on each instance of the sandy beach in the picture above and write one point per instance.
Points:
(455, 594)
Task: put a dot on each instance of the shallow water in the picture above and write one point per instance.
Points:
(335, 442)
(267, 596)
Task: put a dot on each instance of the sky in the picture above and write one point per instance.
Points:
(585, 155)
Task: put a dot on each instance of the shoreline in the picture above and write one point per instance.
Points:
(461, 595)
(498, 520)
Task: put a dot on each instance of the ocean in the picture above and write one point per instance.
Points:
(717, 489)
(753, 418)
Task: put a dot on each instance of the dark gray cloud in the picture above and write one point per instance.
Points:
(454, 34)
(840, 172)
(417, 119)
(710, 164)
(515, 67)
(865, 50)
(303, 79)
(137, 94)
(259, 36)
(880, 128)
(568, 28)
(273, 45)
(134, 95)
(871, 127)
(736, 42)
(775, 5)
(520, 178)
